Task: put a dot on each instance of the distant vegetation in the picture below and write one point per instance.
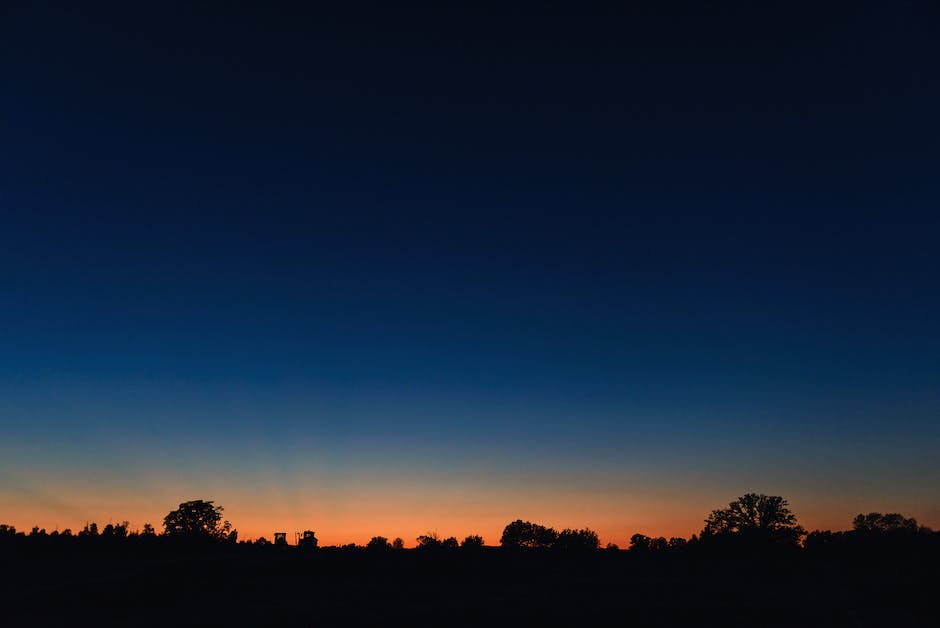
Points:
(751, 522)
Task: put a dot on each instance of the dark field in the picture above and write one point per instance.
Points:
(163, 585)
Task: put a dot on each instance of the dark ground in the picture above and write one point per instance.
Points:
(163, 586)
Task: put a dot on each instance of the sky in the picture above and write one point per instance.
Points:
(406, 269)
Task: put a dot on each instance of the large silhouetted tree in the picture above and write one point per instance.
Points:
(756, 518)
(640, 543)
(521, 533)
(197, 519)
(577, 540)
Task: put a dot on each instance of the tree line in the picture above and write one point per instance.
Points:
(749, 522)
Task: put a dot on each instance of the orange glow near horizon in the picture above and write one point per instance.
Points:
(352, 504)
(360, 515)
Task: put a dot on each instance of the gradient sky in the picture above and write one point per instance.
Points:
(389, 271)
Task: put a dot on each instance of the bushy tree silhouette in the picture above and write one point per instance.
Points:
(640, 543)
(521, 533)
(429, 541)
(473, 541)
(115, 532)
(577, 540)
(197, 519)
(875, 522)
(755, 518)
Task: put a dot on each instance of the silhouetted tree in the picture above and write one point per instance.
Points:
(640, 543)
(378, 544)
(874, 535)
(473, 541)
(115, 532)
(398, 543)
(755, 518)
(823, 540)
(197, 519)
(89, 531)
(429, 541)
(875, 522)
(450, 543)
(521, 533)
(577, 540)
(148, 530)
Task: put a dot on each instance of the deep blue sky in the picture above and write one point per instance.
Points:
(637, 255)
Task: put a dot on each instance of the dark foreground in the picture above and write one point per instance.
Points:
(167, 586)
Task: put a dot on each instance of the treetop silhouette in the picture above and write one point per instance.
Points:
(755, 517)
(197, 519)
(875, 522)
(519, 534)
